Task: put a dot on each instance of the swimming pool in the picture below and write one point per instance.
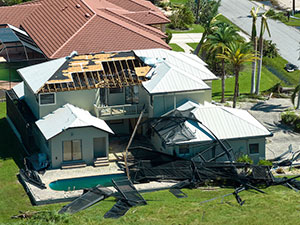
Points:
(84, 182)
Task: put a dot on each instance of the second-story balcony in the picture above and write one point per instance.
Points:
(119, 111)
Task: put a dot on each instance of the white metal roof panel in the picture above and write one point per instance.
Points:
(225, 123)
(169, 80)
(187, 62)
(37, 75)
(19, 89)
(69, 116)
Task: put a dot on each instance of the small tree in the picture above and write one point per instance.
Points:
(181, 18)
(237, 53)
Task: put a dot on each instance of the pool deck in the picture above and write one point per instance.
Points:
(48, 196)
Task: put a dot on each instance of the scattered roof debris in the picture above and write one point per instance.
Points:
(220, 168)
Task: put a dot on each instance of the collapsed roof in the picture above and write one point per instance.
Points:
(87, 26)
(119, 69)
(181, 126)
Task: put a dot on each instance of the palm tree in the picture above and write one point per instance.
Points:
(263, 27)
(208, 25)
(218, 42)
(294, 95)
(254, 40)
(237, 53)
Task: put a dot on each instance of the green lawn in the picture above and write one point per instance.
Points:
(176, 47)
(194, 28)
(178, 1)
(268, 80)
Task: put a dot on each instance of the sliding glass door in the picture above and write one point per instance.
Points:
(72, 150)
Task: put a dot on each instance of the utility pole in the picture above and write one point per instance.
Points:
(294, 7)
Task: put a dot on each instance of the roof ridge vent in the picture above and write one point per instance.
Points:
(74, 53)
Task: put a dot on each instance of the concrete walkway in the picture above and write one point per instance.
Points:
(183, 39)
(286, 38)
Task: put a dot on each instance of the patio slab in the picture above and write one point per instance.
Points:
(48, 196)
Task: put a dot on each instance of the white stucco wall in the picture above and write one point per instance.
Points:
(85, 134)
(84, 99)
(165, 102)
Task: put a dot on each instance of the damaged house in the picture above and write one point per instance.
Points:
(71, 106)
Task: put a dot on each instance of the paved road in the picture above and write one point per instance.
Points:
(286, 38)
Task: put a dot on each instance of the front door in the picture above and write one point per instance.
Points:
(72, 150)
(99, 147)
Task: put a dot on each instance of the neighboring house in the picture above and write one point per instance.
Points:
(50, 29)
(87, 97)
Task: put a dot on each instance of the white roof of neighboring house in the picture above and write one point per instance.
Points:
(188, 63)
(224, 122)
(69, 116)
(19, 89)
(37, 75)
(168, 79)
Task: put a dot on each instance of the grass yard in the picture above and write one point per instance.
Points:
(194, 28)
(176, 47)
(179, 2)
(268, 80)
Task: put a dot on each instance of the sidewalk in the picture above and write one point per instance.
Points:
(182, 39)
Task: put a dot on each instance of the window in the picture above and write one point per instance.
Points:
(47, 99)
(132, 95)
(184, 149)
(254, 148)
(115, 90)
(116, 122)
(72, 150)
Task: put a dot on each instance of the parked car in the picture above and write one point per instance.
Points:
(291, 67)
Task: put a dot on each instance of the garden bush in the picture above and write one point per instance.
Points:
(288, 117)
(264, 162)
(292, 119)
(245, 159)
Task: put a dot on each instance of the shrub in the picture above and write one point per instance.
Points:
(245, 159)
(264, 162)
(297, 124)
(168, 39)
(288, 117)
(269, 49)
(181, 18)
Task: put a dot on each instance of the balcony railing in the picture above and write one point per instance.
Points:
(122, 111)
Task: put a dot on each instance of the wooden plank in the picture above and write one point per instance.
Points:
(126, 78)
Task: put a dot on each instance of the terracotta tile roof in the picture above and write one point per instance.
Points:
(55, 22)
(128, 37)
(60, 26)
(148, 17)
(133, 22)
(15, 15)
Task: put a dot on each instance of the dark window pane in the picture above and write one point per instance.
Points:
(47, 99)
(254, 148)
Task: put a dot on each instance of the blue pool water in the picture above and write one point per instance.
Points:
(85, 182)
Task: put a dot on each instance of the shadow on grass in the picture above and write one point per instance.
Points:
(10, 147)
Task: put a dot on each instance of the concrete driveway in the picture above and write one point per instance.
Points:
(268, 113)
(286, 38)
